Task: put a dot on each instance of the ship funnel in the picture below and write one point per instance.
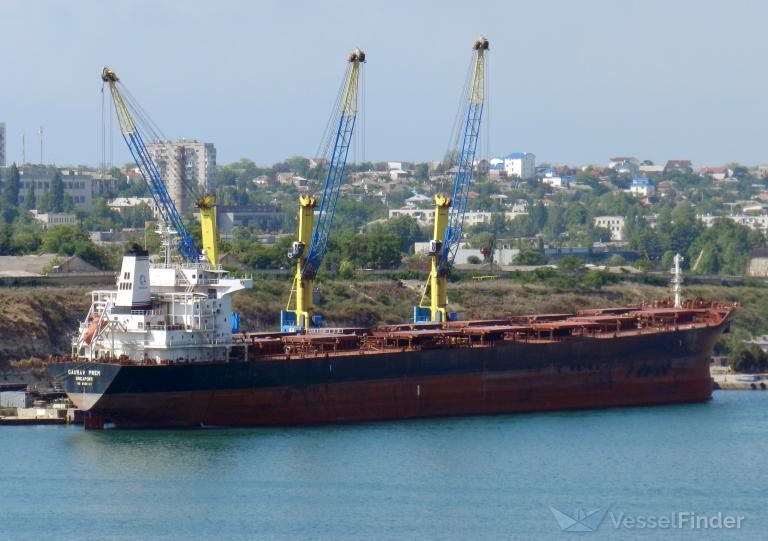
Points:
(133, 281)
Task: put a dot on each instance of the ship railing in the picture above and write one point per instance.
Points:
(327, 330)
(150, 312)
(181, 296)
(165, 327)
(177, 327)
(102, 295)
(204, 265)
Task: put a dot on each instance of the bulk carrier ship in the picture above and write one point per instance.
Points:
(159, 352)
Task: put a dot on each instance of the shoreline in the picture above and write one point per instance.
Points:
(724, 379)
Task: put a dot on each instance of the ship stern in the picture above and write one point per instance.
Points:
(84, 382)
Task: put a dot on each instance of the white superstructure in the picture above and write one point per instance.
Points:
(161, 313)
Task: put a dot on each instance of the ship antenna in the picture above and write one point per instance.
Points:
(168, 234)
(677, 281)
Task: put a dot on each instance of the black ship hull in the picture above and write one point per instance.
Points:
(588, 372)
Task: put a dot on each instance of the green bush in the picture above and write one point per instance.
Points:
(529, 257)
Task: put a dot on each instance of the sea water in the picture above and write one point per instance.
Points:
(670, 472)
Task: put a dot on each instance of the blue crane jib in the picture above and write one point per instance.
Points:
(348, 113)
(132, 135)
(309, 251)
(450, 211)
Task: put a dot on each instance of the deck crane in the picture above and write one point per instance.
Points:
(134, 127)
(450, 210)
(312, 243)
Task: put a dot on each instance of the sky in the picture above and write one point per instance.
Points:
(573, 82)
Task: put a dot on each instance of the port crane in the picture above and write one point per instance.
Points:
(312, 243)
(134, 127)
(450, 210)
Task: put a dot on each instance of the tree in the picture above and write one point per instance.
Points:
(45, 202)
(101, 217)
(73, 240)
(522, 226)
(12, 186)
(529, 257)
(421, 173)
(667, 260)
(575, 215)
(739, 171)
(30, 200)
(405, 228)
(8, 212)
(538, 215)
(646, 242)
(397, 197)
(371, 250)
(685, 227)
(352, 215)
(57, 193)
(570, 263)
(601, 234)
(616, 260)
(5, 239)
(723, 248)
(299, 165)
(555, 225)
(137, 216)
(24, 241)
(632, 221)
(748, 359)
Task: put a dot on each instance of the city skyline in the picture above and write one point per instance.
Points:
(572, 84)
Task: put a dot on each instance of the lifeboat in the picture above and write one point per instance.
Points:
(93, 328)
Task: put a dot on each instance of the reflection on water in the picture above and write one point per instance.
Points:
(464, 478)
